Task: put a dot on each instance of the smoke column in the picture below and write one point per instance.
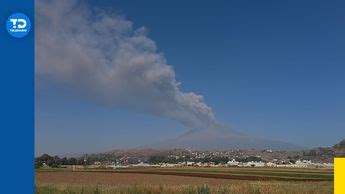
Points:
(98, 54)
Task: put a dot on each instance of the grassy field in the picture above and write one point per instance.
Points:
(184, 180)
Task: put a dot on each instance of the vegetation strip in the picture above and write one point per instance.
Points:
(239, 176)
(270, 173)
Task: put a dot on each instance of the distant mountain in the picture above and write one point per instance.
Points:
(339, 149)
(325, 153)
(222, 139)
(340, 145)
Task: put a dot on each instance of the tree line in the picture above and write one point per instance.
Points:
(215, 160)
(56, 161)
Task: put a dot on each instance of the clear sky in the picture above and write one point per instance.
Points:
(275, 69)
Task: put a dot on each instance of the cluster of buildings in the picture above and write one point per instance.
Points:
(230, 163)
(230, 158)
(297, 164)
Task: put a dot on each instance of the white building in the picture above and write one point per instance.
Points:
(232, 162)
(271, 164)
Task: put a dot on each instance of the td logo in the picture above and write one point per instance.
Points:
(18, 25)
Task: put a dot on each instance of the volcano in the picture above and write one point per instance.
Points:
(222, 139)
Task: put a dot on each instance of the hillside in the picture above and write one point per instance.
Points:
(339, 149)
(325, 153)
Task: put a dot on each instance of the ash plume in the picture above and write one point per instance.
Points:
(99, 54)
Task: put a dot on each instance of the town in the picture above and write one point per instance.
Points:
(184, 157)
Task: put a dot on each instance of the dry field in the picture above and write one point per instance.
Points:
(51, 182)
(239, 173)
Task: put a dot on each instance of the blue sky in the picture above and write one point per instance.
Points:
(272, 69)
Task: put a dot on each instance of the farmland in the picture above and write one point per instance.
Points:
(184, 180)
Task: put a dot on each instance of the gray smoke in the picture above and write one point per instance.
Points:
(101, 56)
